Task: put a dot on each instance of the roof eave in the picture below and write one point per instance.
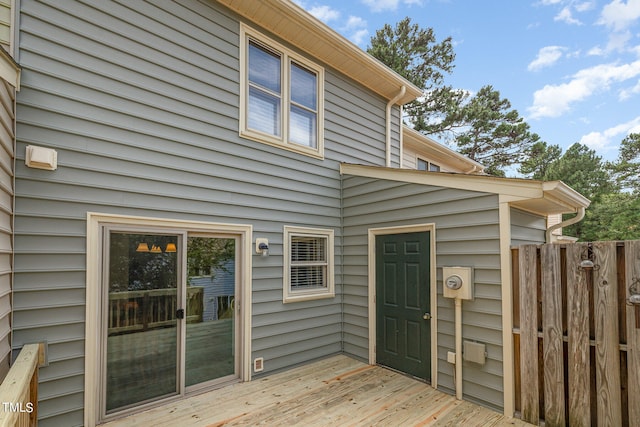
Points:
(542, 198)
(326, 45)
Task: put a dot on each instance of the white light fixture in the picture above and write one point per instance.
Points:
(262, 246)
(41, 158)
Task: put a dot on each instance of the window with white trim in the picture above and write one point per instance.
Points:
(308, 264)
(281, 95)
(423, 165)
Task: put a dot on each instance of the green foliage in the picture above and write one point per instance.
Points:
(627, 168)
(491, 133)
(206, 254)
(538, 158)
(584, 171)
(615, 217)
(484, 127)
(415, 54)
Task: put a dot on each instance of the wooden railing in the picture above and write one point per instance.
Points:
(576, 336)
(19, 390)
(143, 310)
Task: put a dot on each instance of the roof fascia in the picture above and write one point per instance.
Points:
(325, 44)
(9, 70)
(540, 197)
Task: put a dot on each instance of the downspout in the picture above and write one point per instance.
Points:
(390, 104)
(570, 221)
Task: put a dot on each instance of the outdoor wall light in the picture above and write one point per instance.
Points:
(262, 246)
(634, 292)
(587, 264)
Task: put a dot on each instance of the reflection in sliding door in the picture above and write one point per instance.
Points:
(141, 330)
(211, 284)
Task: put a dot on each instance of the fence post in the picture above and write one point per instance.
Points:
(578, 337)
(552, 336)
(529, 334)
(607, 335)
(632, 275)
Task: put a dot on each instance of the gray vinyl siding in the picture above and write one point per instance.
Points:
(141, 102)
(467, 234)
(5, 24)
(7, 126)
(527, 228)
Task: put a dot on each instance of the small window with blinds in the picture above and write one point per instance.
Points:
(308, 267)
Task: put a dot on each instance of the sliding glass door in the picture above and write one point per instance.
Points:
(142, 304)
(169, 317)
(211, 288)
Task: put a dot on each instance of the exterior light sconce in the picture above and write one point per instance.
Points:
(262, 246)
(634, 293)
(586, 264)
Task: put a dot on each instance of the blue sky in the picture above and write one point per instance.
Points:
(570, 67)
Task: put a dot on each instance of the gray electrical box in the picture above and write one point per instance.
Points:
(457, 282)
(474, 352)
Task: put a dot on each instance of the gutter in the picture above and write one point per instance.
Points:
(575, 219)
(390, 104)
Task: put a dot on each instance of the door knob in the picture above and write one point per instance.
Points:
(426, 316)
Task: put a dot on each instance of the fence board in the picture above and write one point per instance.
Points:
(578, 337)
(607, 343)
(552, 336)
(529, 333)
(632, 277)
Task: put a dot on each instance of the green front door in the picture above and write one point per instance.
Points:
(403, 325)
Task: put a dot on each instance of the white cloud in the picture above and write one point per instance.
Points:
(324, 13)
(382, 5)
(628, 93)
(359, 37)
(547, 56)
(619, 15)
(555, 100)
(585, 6)
(356, 29)
(609, 138)
(355, 22)
(566, 16)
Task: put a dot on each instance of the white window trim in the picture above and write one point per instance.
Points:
(288, 295)
(429, 163)
(94, 297)
(288, 55)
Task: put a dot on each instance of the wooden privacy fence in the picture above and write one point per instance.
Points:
(576, 336)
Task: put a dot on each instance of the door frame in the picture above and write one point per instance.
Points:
(94, 252)
(372, 233)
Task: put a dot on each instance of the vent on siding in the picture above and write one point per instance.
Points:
(258, 364)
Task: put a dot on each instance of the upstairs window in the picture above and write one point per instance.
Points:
(423, 165)
(281, 95)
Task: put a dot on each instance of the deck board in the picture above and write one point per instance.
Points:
(338, 391)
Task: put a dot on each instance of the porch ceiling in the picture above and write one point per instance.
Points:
(544, 198)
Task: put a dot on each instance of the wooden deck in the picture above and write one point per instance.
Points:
(338, 391)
